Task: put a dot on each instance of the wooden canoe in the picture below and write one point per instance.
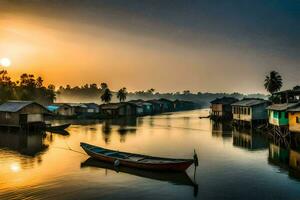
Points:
(136, 160)
(57, 128)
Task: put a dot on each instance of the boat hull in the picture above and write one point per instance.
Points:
(175, 166)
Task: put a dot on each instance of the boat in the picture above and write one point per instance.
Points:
(179, 178)
(136, 160)
(60, 132)
(57, 128)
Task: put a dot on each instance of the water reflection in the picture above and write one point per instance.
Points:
(221, 129)
(179, 178)
(286, 159)
(57, 172)
(25, 143)
(123, 126)
(248, 139)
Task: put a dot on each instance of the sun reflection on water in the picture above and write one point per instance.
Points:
(15, 167)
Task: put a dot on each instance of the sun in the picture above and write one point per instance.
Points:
(5, 62)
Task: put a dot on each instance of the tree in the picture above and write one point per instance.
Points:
(273, 82)
(106, 95)
(297, 87)
(103, 86)
(151, 91)
(122, 94)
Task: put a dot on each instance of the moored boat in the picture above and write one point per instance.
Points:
(57, 128)
(136, 160)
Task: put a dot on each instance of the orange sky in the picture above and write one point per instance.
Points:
(80, 49)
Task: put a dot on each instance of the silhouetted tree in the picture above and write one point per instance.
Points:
(122, 94)
(103, 86)
(106, 95)
(151, 91)
(273, 82)
(297, 87)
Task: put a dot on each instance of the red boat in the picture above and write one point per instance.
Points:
(136, 160)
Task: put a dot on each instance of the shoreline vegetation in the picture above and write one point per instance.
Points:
(31, 88)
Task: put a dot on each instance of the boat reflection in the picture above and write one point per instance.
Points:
(177, 178)
(60, 132)
(221, 129)
(28, 144)
(248, 139)
(286, 159)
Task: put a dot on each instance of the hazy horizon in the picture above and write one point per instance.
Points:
(167, 45)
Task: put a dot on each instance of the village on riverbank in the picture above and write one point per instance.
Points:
(278, 117)
(32, 115)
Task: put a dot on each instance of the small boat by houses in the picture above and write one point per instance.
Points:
(136, 160)
(57, 128)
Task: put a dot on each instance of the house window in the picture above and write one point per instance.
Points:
(298, 120)
(249, 111)
(279, 115)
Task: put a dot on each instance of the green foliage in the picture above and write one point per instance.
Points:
(27, 88)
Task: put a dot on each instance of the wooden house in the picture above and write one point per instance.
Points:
(221, 108)
(278, 115)
(180, 105)
(167, 105)
(156, 105)
(294, 119)
(92, 108)
(250, 111)
(62, 109)
(287, 96)
(22, 114)
(143, 107)
(115, 110)
(80, 108)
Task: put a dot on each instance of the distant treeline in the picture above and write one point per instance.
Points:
(92, 93)
(26, 88)
(30, 88)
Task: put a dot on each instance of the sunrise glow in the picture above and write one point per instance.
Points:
(5, 62)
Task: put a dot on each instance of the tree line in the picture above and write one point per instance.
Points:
(29, 87)
(26, 88)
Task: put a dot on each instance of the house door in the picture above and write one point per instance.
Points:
(23, 119)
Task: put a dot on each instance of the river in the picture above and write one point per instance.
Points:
(232, 164)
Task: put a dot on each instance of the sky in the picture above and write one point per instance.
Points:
(169, 45)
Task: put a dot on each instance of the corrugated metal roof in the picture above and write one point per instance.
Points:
(249, 102)
(295, 108)
(14, 106)
(282, 107)
(224, 100)
(112, 105)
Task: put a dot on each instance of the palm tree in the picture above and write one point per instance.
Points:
(273, 82)
(106, 95)
(122, 94)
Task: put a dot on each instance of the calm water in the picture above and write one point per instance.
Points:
(232, 165)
